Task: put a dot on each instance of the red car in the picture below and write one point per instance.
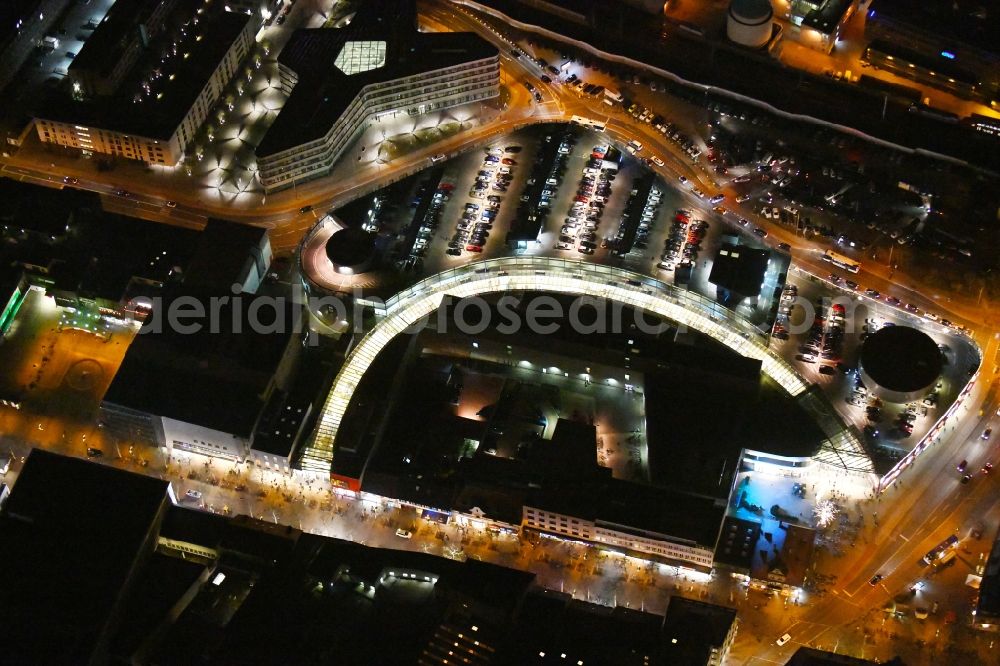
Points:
(474, 248)
(580, 198)
(447, 187)
(508, 161)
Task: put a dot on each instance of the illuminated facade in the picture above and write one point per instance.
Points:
(566, 277)
(414, 95)
(154, 117)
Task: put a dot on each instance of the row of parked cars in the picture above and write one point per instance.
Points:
(788, 295)
(549, 175)
(895, 302)
(429, 223)
(474, 227)
(647, 220)
(492, 181)
(580, 226)
(826, 338)
(684, 242)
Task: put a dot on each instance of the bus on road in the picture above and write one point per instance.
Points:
(840, 261)
(941, 550)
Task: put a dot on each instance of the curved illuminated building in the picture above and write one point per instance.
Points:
(339, 80)
(558, 276)
(900, 364)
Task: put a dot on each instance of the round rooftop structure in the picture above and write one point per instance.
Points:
(749, 22)
(351, 251)
(899, 363)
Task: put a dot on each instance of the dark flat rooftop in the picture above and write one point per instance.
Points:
(939, 65)
(130, 110)
(119, 28)
(739, 269)
(974, 22)
(69, 536)
(695, 411)
(224, 249)
(554, 624)
(213, 379)
(323, 91)
(697, 626)
(11, 11)
(101, 253)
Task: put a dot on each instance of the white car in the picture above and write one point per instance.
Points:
(784, 639)
(656, 160)
(193, 494)
(404, 534)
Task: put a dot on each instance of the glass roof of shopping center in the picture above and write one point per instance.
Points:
(357, 57)
(568, 277)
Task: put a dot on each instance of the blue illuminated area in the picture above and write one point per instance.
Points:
(948, 54)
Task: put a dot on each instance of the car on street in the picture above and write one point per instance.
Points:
(404, 534)
(69, 180)
(875, 580)
(718, 198)
(962, 465)
(986, 434)
(892, 300)
(784, 639)
(987, 468)
(454, 251)
(94, 453)
(785, 247)
(966, 479)
(305, 209)
(474, 248)
(656, 160)
(512, 149)
(760, 232)
(193, 494)
(125, 194)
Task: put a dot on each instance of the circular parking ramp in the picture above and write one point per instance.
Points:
(351, 251)
(900, 363)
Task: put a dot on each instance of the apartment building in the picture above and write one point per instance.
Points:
(670, 526)
(153, 111)
(378, 68)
